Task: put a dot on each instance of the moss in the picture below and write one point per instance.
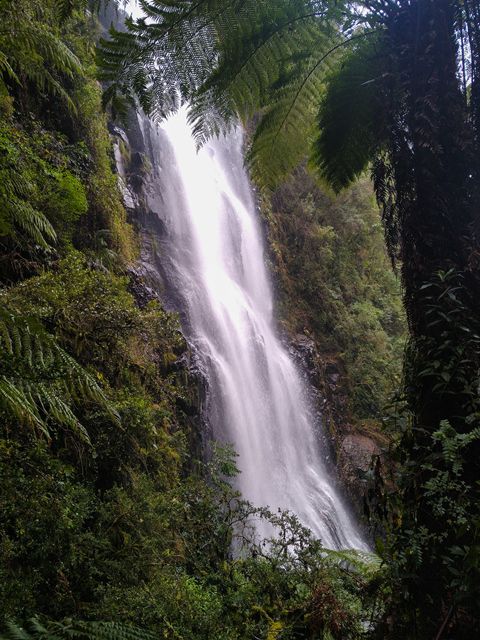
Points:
(106, 207)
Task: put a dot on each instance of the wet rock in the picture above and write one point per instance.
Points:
(355, 455)
(137, 286)
(136, 182)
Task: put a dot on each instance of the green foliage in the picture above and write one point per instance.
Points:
(433, 519)
(93, 316)
(58, 187)
(31, 50)
(20, 217)
(228, 59)
(347, 141)
(106, 207)
(67, 197)
(39, 381)
(120, 530)
(36, 629)
(335, 283)
(407, 99)
(128, 464)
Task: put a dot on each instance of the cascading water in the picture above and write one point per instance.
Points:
(213, 261)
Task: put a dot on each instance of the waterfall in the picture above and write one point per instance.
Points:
(212, 256)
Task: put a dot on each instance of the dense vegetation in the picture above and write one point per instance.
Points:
(393, 85)
(105, 512)
(336, 284)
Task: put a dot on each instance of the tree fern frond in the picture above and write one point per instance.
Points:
(16, 402)
(57, 409)
(102, 631)
(286, 129)
(15, 632)
(40, 40)
(7, 69)
(365, 563)
(18, 217)
(230, 59)
(350, 117)
(29, 48)
(248, 69)
(169, 56)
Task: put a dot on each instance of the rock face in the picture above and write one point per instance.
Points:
(355, 457)
(353, 449)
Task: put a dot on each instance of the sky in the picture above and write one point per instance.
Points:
(133, 8)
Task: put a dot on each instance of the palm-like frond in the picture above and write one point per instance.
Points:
(271, 59)
(364, 563)
(39, 381)
(226, 58)
(31, 222)
(6, 68)
(287, 128)
(243, 58)
(162, 57)
(351, 114)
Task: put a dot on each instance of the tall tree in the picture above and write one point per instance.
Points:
(394, 85)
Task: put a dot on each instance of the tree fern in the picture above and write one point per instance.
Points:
(163, 56)
(39, 382)
(367, 565)
(223, 57)
(287, 127)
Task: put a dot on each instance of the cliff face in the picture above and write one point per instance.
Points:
(98, 402)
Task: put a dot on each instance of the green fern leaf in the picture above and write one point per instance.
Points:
(350, 118)
(39, 382)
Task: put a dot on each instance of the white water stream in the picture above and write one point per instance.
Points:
(214, 257)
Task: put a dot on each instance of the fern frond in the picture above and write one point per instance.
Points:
(228, 59)
(20, 405)
(18, 217)
(351, 114)
(222, 56)
(35, 629)
(101, 631)
(365, 563)
(30, 49)
(271, 45)
(7, 69)
(287, 128)
(15, 632)
(39, 381)
(31, 222)
(38, 39)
